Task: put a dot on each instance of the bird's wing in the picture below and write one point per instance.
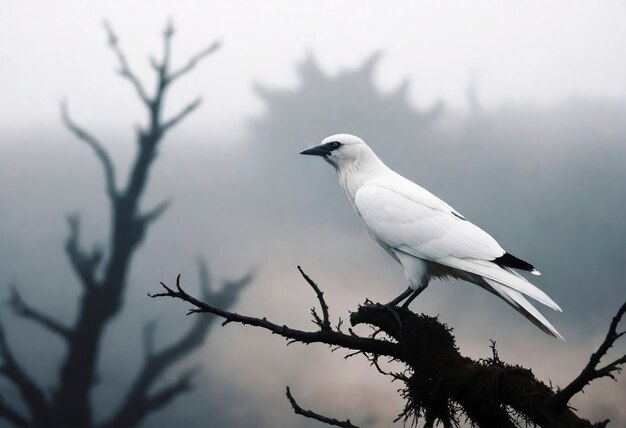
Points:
(430, 231)
(419, 220)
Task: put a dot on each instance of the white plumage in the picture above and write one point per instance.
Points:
(424, 234)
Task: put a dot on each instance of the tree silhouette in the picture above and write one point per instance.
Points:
(441, 385)
(102, 273)
(323, 104)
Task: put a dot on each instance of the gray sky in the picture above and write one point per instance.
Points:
(519, 51)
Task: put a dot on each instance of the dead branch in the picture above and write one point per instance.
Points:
(148, 403)
(591, 371)
(96, 146)
(441, 385)
(323, 323)
(13, 416)
(193, 61)
(322, 336)
(139, 401)
(168, 393)
(178, 117)
(313, 415)
(155, 213)
(22, 309)
(32, 395)
(84, 264)
(125, 70)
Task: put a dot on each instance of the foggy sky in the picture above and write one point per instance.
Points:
(538, 162)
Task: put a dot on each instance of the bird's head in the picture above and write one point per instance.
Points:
(339, 150)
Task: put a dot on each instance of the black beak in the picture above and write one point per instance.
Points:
(316, 151)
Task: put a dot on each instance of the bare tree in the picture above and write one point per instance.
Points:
(102, 272)
(441, 385)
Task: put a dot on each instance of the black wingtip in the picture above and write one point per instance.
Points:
(509, 260)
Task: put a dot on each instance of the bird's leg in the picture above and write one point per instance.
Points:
(406, 293)
(412, 297)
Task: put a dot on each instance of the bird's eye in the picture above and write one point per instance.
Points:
(334, 145)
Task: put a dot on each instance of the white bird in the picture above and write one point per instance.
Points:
(428, 237)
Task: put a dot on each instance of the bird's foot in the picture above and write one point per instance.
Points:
(394, 311)
(390, 307)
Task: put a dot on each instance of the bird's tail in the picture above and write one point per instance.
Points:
(511, 287)
(523, 306)
(504, 276)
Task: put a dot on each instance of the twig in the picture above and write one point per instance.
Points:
(32, 395)
(96, 146)
(193, 61)
(125, 70)
(311, 414)
(138, 402)
(325, 322)
(323, 336)
(168, 393)
(84, 264)
(24, 310)
(12, 415)
(189, 108)
(591, 372)
(155, 213)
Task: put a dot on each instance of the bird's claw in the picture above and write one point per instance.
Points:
(390, 307)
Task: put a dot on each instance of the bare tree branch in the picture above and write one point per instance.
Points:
(24, 310)
(194, 61)
(125, 70)
(441, 385)
(13, 416)
(591, 372)
(101, 154)
(84, 264)
(139, 402)
(310, 414)
(168, 33)
(10, 369)
(323, 336)
(142, 405)
(324, 323)
(181, 115)
(168, 393)
(155, 213)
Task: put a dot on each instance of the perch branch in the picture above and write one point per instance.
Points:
(306, 337)
(311, 414)
(440, 383)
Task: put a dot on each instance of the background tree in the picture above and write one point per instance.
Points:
(102, 272)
